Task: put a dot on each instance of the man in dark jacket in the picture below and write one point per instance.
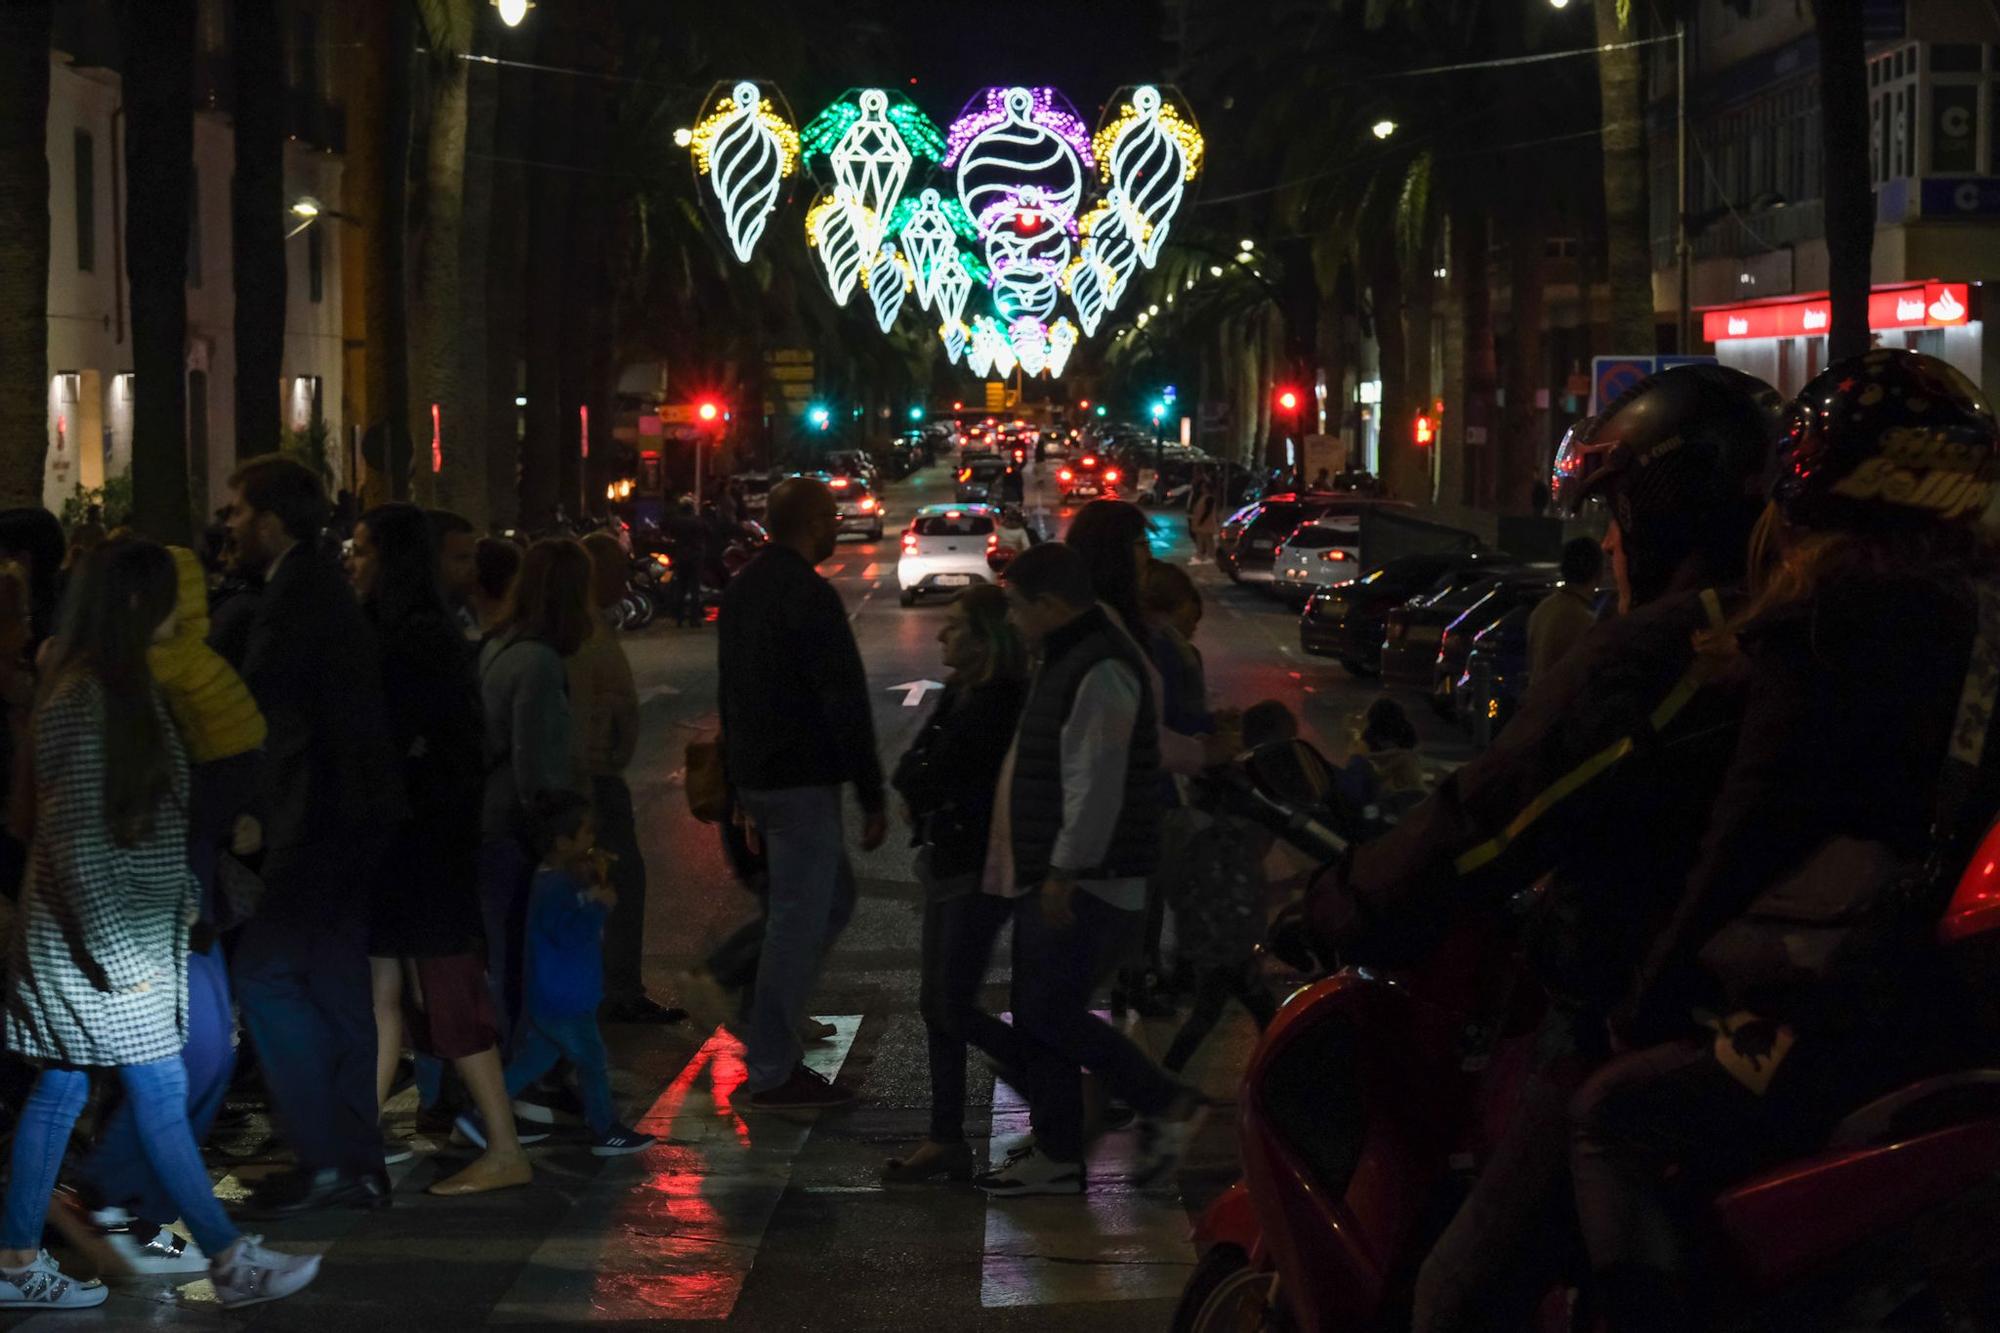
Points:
(1075, 833)
(796, 727)
(330, 796)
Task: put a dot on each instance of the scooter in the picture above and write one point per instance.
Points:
(1370, 1101)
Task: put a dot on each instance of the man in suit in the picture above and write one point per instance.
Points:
(328, 799)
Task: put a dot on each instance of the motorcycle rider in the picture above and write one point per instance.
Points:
(1618, 728)
(1854, 654)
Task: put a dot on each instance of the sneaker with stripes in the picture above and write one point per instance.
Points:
(248, 1274)
(43, 1286)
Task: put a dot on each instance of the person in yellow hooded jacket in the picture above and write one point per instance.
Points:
(223, 731)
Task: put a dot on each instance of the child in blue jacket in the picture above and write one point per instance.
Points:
(564, 949)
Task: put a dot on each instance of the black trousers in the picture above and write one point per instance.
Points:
(625, 928)
(959, 934)
(1214, 988)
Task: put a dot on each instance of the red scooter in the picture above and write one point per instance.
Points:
(1370, 1100)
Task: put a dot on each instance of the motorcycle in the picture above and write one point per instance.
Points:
(1370, 1101)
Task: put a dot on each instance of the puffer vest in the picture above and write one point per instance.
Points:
(1037, 792)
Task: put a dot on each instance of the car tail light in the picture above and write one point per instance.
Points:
(839, 483)
(1975, 905)
(910, 540)
(663, 560)
(1335, 554)
(1089, 461)
(966, 475)
(992, 540)
(1110, 475)
(867, 504)
(1064, 474)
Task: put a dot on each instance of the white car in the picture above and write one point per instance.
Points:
(945, 549)
(1318, 554)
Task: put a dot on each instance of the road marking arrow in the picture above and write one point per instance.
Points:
(914, 691)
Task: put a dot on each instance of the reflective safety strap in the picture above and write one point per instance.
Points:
(1664, 713)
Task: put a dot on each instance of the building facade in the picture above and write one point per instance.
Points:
(89, 317)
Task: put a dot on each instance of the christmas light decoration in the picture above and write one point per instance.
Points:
(1147, 155)
(869, 144)
(1108, 241)
(1019, 137)
(834, 227)
(1062, 341)
(1029, 340)
(954, 336)
(743, 151)
(1089, 282)
(887, 281)
(952, 287)
(928, 238)
(990, 349)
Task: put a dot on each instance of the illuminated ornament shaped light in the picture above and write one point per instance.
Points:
(888, 281)
(954, 335)
(1029, 340)
(1147, 156)
(927, 237)
(1062, 341)
(834, 227)
(1027, 246)
(1019, 137)
(952, 287)
(990, 353)
(870, 145)
(743, 151)
(1107, 238)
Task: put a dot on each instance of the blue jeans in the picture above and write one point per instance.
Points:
(811, 898)
(157, 1095)
(1056, 969)
(118, 1171)
(541, 1042)
(302, 979)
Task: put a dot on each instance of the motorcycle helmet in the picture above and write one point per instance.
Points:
(1887, 439)
(1679, 461)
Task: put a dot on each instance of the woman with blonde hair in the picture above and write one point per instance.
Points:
(948, 780)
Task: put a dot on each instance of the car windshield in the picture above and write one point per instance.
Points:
(953, 525)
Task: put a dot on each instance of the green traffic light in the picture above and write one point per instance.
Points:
(916, 414)
(1100, 409)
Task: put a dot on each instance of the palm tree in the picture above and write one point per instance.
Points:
(24, 250)
(159, 166)
(1850, 205)
(456, 474)
(1628, 255)
(378, 150)
(257, 221)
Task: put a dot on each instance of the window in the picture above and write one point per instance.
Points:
(948, 525)
(315, 262)
(86, 202)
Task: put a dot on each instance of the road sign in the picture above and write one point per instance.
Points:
(1613, 375)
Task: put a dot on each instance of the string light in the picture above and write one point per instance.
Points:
(1017, 139)
(1148, 154)
(928, 238)
(953, 335)
(990, 352)
(1029, 339)
(743, 151)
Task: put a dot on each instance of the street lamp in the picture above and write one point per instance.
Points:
(305, 206)
(1558, 4)
(513, 11)
(1383, 128)
(1246, 244)
(916, 414)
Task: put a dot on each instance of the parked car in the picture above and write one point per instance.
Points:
(1246, 547)
(1500, 656)
(1322, 551)
(979, 479)
(1516, 588)
(946, 549)
(1411, 633)
(1346, 621)
(757, 489)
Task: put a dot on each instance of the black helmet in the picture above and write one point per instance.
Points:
(1680, 460)
(1889, 438)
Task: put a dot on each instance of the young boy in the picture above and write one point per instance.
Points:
(565, 973)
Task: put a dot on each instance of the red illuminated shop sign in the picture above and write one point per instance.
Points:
(1916, 305)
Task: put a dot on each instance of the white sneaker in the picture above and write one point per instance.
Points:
(1164, 1141)
(1014, 1145)
(1031, 1173)
(168, 1252)
(43, 1286)
(248, 1274)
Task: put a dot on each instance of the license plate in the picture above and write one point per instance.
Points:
(953, 580)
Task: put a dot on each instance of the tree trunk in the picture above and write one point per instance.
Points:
(1627, 250)
(379, 154)
(505, 281)
(1470, 377)
(24, 251)
(159, 168)
(550, 196)
(1850, 203)
(1405, 468)
(257, 221)
(443, 470)
(1521, 435)
(477, 419)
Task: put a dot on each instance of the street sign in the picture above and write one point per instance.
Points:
(677, 414)
(1613, 375)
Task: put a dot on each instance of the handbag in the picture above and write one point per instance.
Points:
(1830, 942)
(707, 780)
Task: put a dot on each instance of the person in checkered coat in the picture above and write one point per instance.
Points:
(97, 966)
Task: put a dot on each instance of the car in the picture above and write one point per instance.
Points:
(1321, 551)
(1346, 621)
(1411, 633)
(860, 510)
(850, 463)
(1521, 587)
(1088, 478)
(1246, 547)
(979, 479)
(946, 549)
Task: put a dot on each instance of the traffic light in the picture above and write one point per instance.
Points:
(1424, 429)
(1288, 399)
(916, 414)
(1100, 409)
(820, 416)
(708, 410)
(1159, 410)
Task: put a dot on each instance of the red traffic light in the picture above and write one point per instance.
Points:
(707, 411)
(1288, 399)
(1424, 431)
